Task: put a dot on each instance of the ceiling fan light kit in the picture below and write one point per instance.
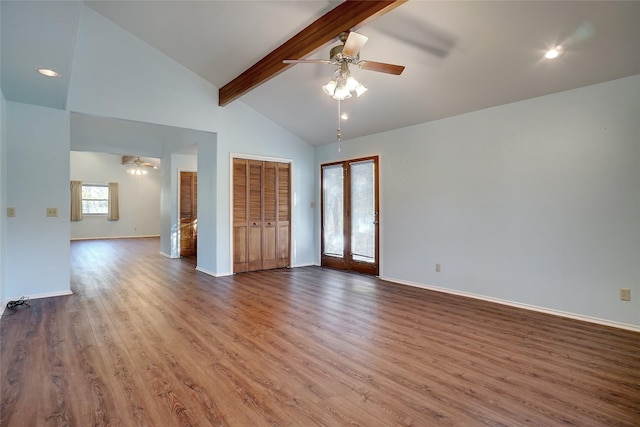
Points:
(137, 171)
(137, 166)
(342, 84)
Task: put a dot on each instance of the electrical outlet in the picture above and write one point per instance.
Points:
(52, 212)
(625, 294)
(11, 212)
(438, 267)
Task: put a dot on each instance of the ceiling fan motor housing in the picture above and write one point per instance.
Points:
(338, 57)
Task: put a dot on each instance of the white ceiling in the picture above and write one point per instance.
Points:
(459, 56)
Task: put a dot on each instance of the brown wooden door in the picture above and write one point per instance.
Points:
(188, 213)
(240, 215)
(283, 235)
(350, 220)
(254, 250)
(261, 215)
(270, 216)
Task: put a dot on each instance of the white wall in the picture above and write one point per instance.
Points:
(139, 197)
(3, 199)
(536, 202)
(118, 75)
(3, 196)
(37, 256)
(265, 138)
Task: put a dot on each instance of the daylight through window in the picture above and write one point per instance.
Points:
(95, 199)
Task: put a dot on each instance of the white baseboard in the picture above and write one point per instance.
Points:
(566, 314)
(166, 255)
(311, 264)
(211, 273)
(34, 296)
(115, 237)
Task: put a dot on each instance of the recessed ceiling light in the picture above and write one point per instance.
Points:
(344, 116)
(48, 73)
(553, 53)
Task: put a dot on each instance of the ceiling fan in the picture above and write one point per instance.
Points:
(138, 166)
(342, 84)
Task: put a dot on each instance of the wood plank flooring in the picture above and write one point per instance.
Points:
(149, 341)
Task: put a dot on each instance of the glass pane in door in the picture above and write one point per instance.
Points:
(363, 214)
(333, 210)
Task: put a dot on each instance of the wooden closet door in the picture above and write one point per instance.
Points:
(270, 216)
(240, 215)
(284, 215)
(254, 248)
(261, 215)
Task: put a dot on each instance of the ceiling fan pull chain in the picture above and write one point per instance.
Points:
(339, 135)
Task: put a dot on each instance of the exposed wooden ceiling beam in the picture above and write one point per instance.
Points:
(346, 16)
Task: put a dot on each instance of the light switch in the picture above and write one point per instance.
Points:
(52, 211)
(11, 212)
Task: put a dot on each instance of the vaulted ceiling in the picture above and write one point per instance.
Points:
(459, 56)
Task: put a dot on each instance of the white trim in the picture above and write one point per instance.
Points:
(258, 157)
(211, 273)
(292, 203)
(115, 237)
(309, 264)
(166, 255)
(35, 296)
(605, 322)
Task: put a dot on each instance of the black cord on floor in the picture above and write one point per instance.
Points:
(16, 304)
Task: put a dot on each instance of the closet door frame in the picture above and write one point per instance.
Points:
(233, 156)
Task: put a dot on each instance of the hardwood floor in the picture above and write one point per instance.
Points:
(149, 341)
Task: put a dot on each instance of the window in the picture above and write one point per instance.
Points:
(95, 199)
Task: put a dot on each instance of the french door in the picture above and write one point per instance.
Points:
(350, 220)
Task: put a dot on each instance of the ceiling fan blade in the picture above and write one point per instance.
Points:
(381, 67)
(354, 43)
(306, 61)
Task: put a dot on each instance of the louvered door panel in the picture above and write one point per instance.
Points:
(269, 236)
(188, 213)
(240, 215)
(283, 250)
(255, 215)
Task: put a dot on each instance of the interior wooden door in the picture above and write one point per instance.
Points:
(261, 215)
(188, 213)
(270, 216)
(283, 246)
(240, 215)
(350, 220)
(254, 248)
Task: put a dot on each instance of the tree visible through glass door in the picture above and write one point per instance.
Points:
(350, 226)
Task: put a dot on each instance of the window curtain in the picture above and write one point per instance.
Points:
(76, 200)
(114, 209)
